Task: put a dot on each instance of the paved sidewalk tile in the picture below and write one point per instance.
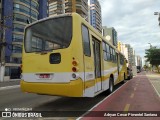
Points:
(155, 81)
(10, 83)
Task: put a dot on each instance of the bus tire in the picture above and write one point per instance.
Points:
(123, 79)
(111, 85)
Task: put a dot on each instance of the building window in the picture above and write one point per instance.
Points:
(20, 18)
(18, 28)
(17, 38)
(21, 8)
(34, 5)
(17, 49)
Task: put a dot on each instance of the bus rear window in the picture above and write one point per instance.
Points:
(50, 34)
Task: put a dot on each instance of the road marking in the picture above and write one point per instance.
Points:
(154, 88)
(135, 89)
(132, 95)
(127, 107)
(101, 101)
(9, 87)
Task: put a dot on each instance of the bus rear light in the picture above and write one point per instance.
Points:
(74, 63)
(75, 69)
(75, 76)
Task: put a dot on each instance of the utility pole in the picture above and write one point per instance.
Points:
(3, 45)
(158, 13)
(150, 45)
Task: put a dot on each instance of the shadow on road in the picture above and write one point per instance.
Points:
(59, 106)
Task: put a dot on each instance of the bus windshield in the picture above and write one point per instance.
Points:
(49, 35)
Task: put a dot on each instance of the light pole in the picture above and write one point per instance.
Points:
(3, 45)
(158, 13)
(150, 45)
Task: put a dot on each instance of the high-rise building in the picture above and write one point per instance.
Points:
(138, 60)
(112, 33)
(95, 15)
(0, 17)
(0, 9)
(123, 49)
(56, 7)
(78, 6)
(131, 55)
(128, 52)
(21, 11)
(67, 6)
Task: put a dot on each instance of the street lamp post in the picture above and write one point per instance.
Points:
(158, 13)
(150, 45)
(2, 48)
(3, 45)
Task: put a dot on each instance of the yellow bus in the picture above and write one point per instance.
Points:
(65, 56)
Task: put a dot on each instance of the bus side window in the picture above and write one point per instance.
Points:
(86, 41)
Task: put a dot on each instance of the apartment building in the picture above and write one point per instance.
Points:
(131, 55)
(128, 52)
(0, 9)
(112, 33)
(67, 6)
(20, 11)
(138, 60)
(123, 49)
(56, 7)
(95, 15)
(0, 18)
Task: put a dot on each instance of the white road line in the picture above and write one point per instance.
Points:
(99, 102)
(154, 87)
(9, 87)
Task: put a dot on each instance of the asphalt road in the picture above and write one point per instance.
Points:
(13, 98)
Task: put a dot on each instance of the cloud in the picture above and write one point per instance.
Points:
(134, 21)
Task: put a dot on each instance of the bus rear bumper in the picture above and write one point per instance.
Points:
(71, 89)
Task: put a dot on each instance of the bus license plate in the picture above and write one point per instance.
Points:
(44, 76)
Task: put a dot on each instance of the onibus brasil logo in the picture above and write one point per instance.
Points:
(20, 114)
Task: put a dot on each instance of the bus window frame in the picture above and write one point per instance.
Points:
(89, 55)
(106, 51)
(37, 22)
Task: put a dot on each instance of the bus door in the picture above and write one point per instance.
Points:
(97, 64)
(88, 62)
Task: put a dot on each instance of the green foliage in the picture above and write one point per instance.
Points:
(153, 56)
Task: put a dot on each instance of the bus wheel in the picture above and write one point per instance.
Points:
(124, 79)
(111, 85)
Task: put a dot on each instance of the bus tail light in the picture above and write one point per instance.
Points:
(74, 63)
(75, 69)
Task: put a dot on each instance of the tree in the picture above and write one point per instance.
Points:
(153, 56)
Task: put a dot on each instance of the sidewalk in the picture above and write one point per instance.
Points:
(136, 95)
(155, 81)
(10, 82)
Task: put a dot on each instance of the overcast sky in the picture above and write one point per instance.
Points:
(134, 21)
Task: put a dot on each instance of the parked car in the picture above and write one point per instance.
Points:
(129, 73)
